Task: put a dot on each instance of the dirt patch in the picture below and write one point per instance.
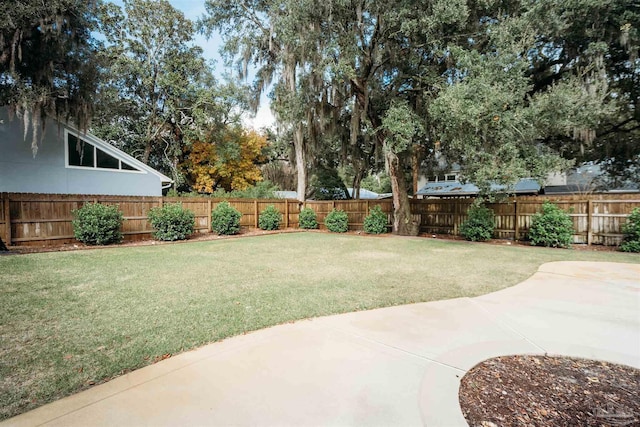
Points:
(550, 391)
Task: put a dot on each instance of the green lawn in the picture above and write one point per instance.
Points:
(72, 319)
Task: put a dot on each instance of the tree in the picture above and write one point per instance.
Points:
(229, 163)
(47, 61)
(156, 80)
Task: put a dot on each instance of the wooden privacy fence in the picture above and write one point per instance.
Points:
(45, 219)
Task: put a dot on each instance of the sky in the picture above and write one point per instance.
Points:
(194, 9)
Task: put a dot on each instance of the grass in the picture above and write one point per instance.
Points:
(73, 319)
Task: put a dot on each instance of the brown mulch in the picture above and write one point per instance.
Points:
(550, 391)
(246, 232)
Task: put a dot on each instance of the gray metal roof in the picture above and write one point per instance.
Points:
(364, 194)
(455, 188)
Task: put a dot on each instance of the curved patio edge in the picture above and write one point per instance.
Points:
(392, 366)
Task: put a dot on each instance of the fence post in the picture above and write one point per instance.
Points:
(456, 216)
(7, 218)
(209, 215)
(160, 201)
(589, 222)
(255, 214)
(516, 220)
(286, 213)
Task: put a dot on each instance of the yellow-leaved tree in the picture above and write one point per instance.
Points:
(230, 163)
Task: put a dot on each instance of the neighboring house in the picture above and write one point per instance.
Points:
(286, 194)
(587, 178)
(453, 188)
(364, 194)
(70, 161)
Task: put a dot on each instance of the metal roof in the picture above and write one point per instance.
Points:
(364, 194)
(455, 188)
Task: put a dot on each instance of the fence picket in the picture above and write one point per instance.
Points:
(41, 219)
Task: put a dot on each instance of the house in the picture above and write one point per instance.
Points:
(70, 161)
(453, 188)
(587, 178)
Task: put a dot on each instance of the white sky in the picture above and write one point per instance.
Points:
(194, 9)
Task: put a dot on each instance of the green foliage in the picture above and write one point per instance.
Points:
(376, 221)
(402, 125)
(172, 222)
(380, 183)
(551, 227)
(48, 63)
(97, 224)
(631, 231)
(262, 190)
(308, 219)
(480, 224)
(225, 219)
(269, 218)
(326, 184)
(337, 221)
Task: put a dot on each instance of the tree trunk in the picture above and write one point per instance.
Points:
(403, 222)
(415, 168)
(301, 162)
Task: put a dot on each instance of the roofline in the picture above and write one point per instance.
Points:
(115, 150)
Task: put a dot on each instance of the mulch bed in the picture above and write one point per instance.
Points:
(246, 232)
(550, 391)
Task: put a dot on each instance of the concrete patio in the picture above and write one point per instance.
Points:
(393, 366)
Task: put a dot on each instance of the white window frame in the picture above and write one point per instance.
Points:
(95, 167)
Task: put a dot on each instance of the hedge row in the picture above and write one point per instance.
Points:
(98, 224)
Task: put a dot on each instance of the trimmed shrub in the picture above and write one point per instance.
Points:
(551, 227)
(97, 224)
(376, 221)
(308, 218)
(337, 221)
(172, 222)
(269, 218)
(480, 224)
(225, 219)
(631, 231)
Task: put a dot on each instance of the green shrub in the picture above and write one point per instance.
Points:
(97, 224)
(308, 218)
(376, 221)
(480, 224)
(337, 221)
(631, 231)
(225, 219)
(551, 227)
(172, 222)
(269, 218)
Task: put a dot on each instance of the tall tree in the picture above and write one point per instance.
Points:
(156, 80)
(47, 60)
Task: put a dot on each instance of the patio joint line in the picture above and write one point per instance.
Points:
(380, 343)
(505, 325)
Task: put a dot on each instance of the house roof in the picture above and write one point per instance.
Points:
(455, 188)
(364, 194)
(286, 194)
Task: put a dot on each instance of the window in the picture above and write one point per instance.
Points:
(451, 177)
(81, 153)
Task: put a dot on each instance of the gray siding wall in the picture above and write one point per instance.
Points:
(20, 172)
